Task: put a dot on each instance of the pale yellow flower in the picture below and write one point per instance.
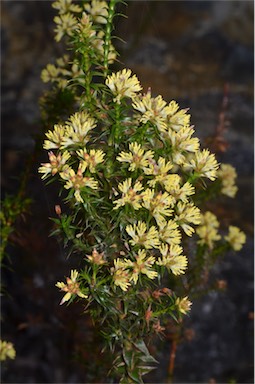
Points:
(172, 186)
(159, 204)
(227, 175)
(182, 143)
(183, 304)
(187, 214)
(207, 236)
(159, 170)
(65, 6)
(50, 73)
(63, 61)
(177, 119)
(210, 220)
(140, 236)
(229, 190)
(121, 276)
(137, 157)
(55, 165)
(96, 257)
(77, 129)
(235, 238)
(61, 72)
(7, 350)
(66, 24)
(91, 159)
(143, 264)
(172, 182)
(77, 181)
(98, 11)
(122, 84)
(172, 108)
(186, 190)
(56, 137)
(72, 287)
(172, 258)
(207, 230)
(129, 194)
(170, 233)
(203, 164)
(152, 109)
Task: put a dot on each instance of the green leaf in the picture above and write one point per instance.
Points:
(140, 345)
(135, 375)
(128, 357)
(148, 359)
(144, 369)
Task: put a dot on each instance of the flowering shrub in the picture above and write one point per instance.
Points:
(133, 179)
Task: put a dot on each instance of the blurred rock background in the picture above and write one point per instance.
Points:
(184, 50)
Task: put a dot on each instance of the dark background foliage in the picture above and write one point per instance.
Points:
(183, 50)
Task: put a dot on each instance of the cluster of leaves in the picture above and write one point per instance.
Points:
(132, 176)
(12, 208)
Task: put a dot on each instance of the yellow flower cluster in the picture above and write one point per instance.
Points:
(65, 138)
(81, 21)
(204, 164)
(227, 175)
(187, 214)
(127, 271)
(173, 186)
(170, 233)
(182, 143)
(163, 236)
(65, 6)
(123, 84)
(98, 11)
(156, 111)
(71, 287)
(7, 350)
(77, 181)
(74, 132)
(159, 204)
(235, 238)
(67, 23)
(183, 304)
(61, 72)
(140, 236)
(129, 194)
(137, 157)
(152, 109)
(159, 170)
(90, 160)
(159, 193)
(208, 229)
(55, 165)
(172, 258)
(172, 123)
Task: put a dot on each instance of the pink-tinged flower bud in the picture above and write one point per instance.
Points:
(58, 210)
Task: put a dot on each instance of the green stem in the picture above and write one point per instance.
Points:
(115, 132)
(86, 69)
(108, 32)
